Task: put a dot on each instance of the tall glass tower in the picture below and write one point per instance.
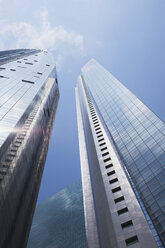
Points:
(28, 100)
(122, 161)
(59, 221)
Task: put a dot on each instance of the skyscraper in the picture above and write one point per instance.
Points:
(59, 221)
(122, 162)
(28, 100)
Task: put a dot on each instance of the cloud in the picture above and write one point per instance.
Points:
(44, 36)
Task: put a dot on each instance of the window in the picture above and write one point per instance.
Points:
(48, 111)
(100, 139)
(103, 149)
(28, 63)
(97, 129)
(27, 81)
(3, 76)
(99, 135)
(18, 141)
(21, 66)
(116, 189)
(95, 122)
(127, 224)
(102, 144)
(19, 138)
(111, 173)
(7, 159)
(113, 181)
(106, 160)
(94, 118)
(122, 211)
(97, 125)
(131, 240)
(98, 132)
(3, 171)
(47, 65)
(109, 166)
(104, 154)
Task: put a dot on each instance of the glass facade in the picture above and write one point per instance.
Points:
(138, 135)
(28, 100)
(20, 81)
(59, 221)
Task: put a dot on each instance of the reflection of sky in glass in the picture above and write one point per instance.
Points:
(15, 95)
(138, 134)
(59, 221)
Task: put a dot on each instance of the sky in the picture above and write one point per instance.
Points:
(126, 37)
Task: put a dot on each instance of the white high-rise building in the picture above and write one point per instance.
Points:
(122, 162)
(28, 100)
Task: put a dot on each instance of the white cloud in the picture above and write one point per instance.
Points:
(26, 35)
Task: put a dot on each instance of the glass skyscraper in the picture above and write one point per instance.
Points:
(59, 221)
(28, 100)
(122, 161)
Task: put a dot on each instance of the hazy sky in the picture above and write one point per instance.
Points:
(126, 37)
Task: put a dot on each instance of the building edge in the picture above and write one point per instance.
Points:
(89, 213)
